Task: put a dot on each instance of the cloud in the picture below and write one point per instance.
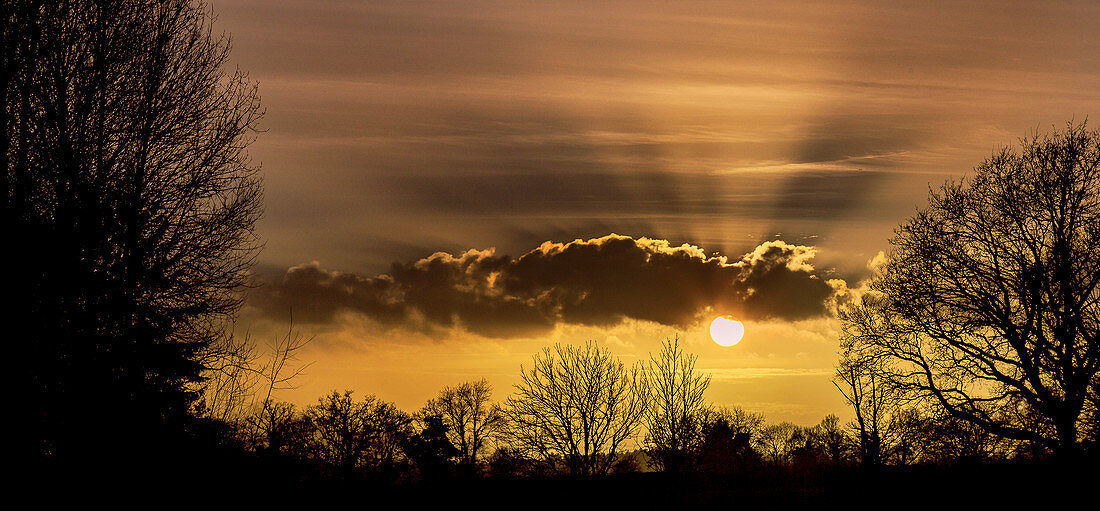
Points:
(595, 282)
(452, 124)
(845, 296)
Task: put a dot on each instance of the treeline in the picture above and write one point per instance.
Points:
(581, 412)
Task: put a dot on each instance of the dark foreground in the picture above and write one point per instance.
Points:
(228, 483)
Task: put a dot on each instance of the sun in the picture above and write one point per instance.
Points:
(725, 331)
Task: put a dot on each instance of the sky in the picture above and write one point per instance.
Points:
(452, 186)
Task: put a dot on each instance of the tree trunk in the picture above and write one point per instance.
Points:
(1068, 450)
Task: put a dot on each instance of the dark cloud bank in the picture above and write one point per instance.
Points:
(600, 281)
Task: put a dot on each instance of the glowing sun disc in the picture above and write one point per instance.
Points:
(726, 332)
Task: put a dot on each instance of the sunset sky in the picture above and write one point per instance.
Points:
(443, 179)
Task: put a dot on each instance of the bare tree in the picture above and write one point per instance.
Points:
(777, 442)
(577, 404)
(740, 421)
(342, 430)
(675, 407)
(227, 392)
(948, 439)
(988, 304)
(908, 433)
(241, 376)
(358, 434)
(388, 429)
(128, 192)
(280, 429)
(268, 374)
(834, 442)
(469, 417)
(860, 377)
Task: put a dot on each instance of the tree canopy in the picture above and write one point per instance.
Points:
(989, 305)
(131, 201)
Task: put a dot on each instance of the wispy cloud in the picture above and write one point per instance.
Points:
(499, 123)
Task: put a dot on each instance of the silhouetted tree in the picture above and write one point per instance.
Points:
(128, 206)
(577, 404)
(909, 436)
(390, 427)
(342, 429)
(279, 429)
(778, 442)
(948, 440)
(358, 434)
(674, 409)
(808, 450)
(469, 417)
(860, 377)
(834, 442)
(727, 444)
(430, 449)
(739, 420)
(506, 461)
(987, 305)
(239, 382)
